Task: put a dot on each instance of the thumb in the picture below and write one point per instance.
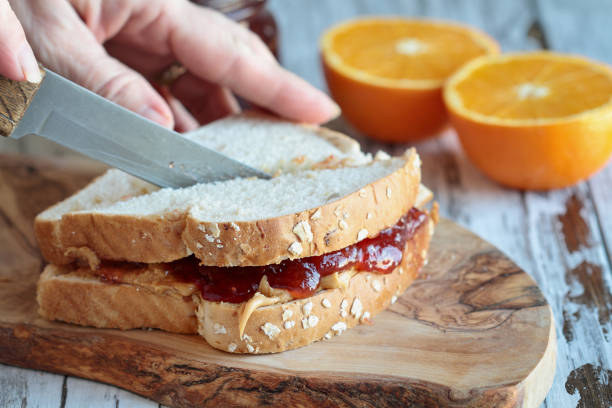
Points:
(16, 57)
(67, 46)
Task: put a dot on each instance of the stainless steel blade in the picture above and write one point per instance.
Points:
(83, 121)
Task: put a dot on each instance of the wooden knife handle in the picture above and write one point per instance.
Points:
(15, 97)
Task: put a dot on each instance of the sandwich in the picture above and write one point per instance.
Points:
(253, 266)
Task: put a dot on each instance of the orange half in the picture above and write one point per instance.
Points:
(536, 120)
(387, 73)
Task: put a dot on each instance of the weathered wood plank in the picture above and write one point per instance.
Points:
(561, 23)
(580, 27)
(574, 274)
(553, 235)
(586, 227)
(27, 388)
(601, 192)
(81, 393)
(507, 22)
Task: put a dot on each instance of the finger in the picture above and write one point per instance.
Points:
(206, 101)
(124, 86)
(223, 52)
(17, 60)
(67, 46)
(149, 64)
(183, 119)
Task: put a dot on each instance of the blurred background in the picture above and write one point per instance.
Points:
(574, 26)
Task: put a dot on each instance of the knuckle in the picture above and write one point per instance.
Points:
(227, 71)
(118, 85)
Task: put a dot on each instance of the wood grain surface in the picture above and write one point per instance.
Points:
(525, 225)
(15, 97)
(474, 331)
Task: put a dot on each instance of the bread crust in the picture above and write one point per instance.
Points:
(82, 298)
(88, 301)
(316, 231)
(46, 232)
(61, 245)
(147, 239)
(130, 239)
(174, 235)
(361, 289)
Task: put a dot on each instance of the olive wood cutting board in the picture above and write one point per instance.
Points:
(475, 330)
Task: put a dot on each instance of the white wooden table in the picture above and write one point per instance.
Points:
(563, 238)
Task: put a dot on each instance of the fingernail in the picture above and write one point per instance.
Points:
(337, 111)
(154, 115)
(29, 67)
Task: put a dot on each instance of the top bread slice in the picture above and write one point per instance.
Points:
(241, 221)
(261, 141)
(278, 146)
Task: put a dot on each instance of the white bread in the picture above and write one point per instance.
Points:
(105, 190)
(266, 332)
(80, 297)
(261, 141)
(236, 222)
(277, 146)
(148, 298)
(299, 213)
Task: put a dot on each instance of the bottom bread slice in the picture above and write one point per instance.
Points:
(80, 297)
(149, 298)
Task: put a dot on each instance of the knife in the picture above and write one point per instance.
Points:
(81, 120)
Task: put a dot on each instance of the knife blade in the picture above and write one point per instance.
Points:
(81, 120)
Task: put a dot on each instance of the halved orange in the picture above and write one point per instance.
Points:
(535, 120)
(387, 73)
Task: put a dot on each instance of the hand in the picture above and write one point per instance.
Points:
(118, 47)
(17, 61)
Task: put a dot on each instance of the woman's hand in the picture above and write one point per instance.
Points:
(17, 61)
(118, 47)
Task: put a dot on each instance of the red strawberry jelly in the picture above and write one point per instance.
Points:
(300, 277)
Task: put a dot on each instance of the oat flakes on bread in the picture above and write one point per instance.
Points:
(149, 298)
(259, 140)
(235, 222)
(282, 224)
